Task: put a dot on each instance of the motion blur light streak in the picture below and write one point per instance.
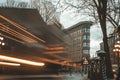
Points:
(12, 38)
(16, 34)
(55, 52)
(21, 28)
(9, 64)
(56, 48)
(12, 59)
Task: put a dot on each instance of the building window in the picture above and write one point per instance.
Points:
(75, 40)
(75, 33)
(78, 39)
(86, 29)
(71, 34)
(86, 37)
(79, 31)
(86, 44)
(85, 51)
(78, 45)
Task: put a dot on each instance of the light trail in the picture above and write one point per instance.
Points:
(9, 64)
(23, 61)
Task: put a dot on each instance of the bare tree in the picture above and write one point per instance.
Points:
(113, 12)
(87, 7)
(50, 12)
(101, 6)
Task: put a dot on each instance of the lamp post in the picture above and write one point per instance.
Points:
(116, 50)
(101, 55)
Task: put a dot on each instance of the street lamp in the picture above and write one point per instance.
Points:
(117, 51)
(101, 55)
(85, 62)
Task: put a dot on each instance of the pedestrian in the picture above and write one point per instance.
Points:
(118, 75)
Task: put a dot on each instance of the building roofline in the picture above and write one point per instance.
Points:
(79, 23)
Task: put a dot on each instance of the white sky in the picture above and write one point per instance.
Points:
(1, 1)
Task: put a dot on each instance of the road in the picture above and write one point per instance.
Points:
(41, 77)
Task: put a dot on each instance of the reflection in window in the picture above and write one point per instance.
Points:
(86, 29)
(85, 51)
(86, 44)
(86, 37)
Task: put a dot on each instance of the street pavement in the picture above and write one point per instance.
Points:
(75, 76)
(63, 76)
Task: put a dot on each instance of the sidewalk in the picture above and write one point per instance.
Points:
(79, 76)
(76, 76)
(85, 77)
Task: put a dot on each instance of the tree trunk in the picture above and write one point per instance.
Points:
(107, 58)
(102, 8)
